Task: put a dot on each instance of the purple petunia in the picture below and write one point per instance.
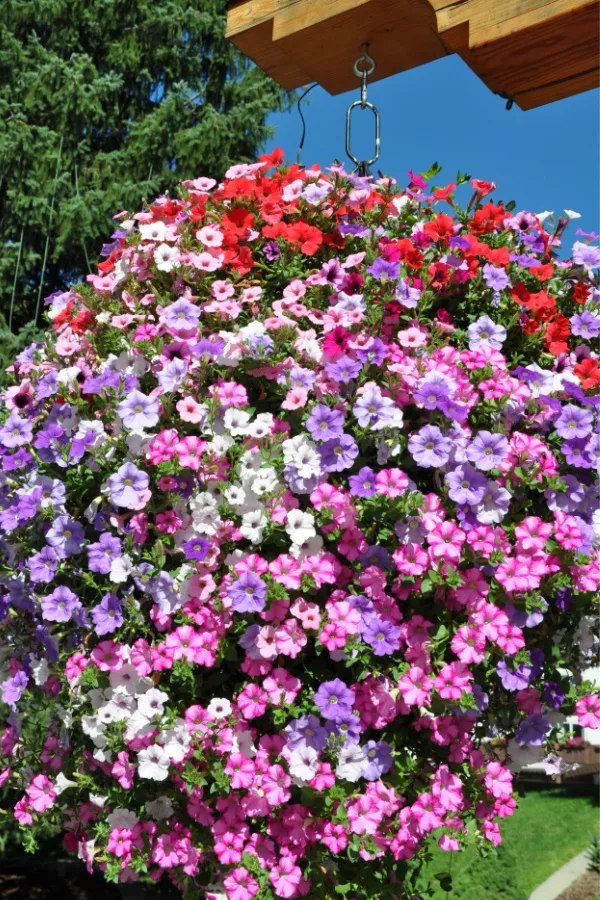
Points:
(382, 636)
(66, 536)
(107, 615)
(339, 453)
(12, 688)
(196, 549)
(363, 484)
(466, 485)
(42, 566)
(373, 410)
(15, 432)
(586, 256)
(139, 411)
(335, 700)
(487, 450)
(574, 422)
(128, 486)
(248, 593)
(532, 732)
(384, 269)
(306, 731)
(514, 679)
(585, 324)
(349, 730)
(379, 757)
(495, 278)
(343, 369)
(181, 315)
(325, 423)
(102, 553)
(485, 333)
(60, 605)
(429, 447)
(432, 394)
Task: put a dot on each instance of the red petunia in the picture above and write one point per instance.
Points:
(483, 188)
(444, 193)
(588, 373)
(82, 321)
(441, 228)
(581, 292)
(273, 159)
(308, 237)
(556, 334)
(238, 221)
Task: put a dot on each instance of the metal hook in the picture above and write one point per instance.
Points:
(363, 67)
(509, 100)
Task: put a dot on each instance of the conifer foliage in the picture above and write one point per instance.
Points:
(104, 103)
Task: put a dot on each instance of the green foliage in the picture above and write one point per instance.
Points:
(143, 93)
(593, 854)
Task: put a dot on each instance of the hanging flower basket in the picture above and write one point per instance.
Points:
(297, 512)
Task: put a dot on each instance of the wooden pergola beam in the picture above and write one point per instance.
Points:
(535, 51)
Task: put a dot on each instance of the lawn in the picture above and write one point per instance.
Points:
(550, 827)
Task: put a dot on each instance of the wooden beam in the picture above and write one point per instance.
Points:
(534, 50)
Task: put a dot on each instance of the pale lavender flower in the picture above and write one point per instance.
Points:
(429, 447)
(128, 486)
(139, 411)
(484, 333)
(60, 605)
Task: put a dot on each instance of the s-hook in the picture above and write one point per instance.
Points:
(363, 67)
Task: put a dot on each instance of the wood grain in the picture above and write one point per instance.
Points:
(517, 46)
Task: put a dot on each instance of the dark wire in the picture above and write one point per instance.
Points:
(300, 99)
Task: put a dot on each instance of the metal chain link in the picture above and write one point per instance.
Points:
(363, 67)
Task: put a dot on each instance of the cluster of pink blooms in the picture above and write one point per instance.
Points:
(296, 505)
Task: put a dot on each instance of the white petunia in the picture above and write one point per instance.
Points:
(153, 763)
(204, 510)
(544, 215)
(236, 421)
(300, 526)
(125, 677)
(303, 454)
(122, 818)
(304, 763)
(351, 763)
(121, 705)
(62, 783)
(236, 495)
(40, 672)
(161, 808)
(310, 547)
(120, 569)
(253, 525)
(98, 800)
(176, 741)
(137, 725)
(91, 726)
(571, 214)
(152, 703)
(219, 708)
(262, 426)
(400, 203)
(263, 482)
(165, 257)
(153, 231)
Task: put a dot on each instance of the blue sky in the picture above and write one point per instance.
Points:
(546, 158)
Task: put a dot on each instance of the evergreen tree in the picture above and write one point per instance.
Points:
(104, 103)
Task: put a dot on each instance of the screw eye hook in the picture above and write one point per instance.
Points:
(363, 67)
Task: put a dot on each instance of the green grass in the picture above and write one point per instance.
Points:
(550, 827)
